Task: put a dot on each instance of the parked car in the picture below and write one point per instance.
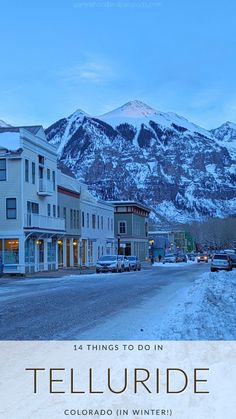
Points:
(109, 263)
(221, 262)
(202, 258)
(169, 258)
(233, 259)
(125, 263)
(1, 266)
(191, 257)
(135, 263)
(181, 258)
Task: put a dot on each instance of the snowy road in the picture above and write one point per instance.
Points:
(105, 306)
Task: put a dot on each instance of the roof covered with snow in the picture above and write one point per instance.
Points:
(127, 203)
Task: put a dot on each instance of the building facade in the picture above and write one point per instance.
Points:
(131, 228)
(29, 224)
(89, 224)
(97, 228)
(49, 220)
(162, 242)
(68, 207)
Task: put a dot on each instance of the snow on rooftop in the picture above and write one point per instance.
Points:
(10, 140)
(3, 124)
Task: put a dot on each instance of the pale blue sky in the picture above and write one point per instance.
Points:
(61, 55)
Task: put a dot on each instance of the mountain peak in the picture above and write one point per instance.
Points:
(78, 114)
(134, 109)
(230, 124)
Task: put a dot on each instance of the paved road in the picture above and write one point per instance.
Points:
(68, 308)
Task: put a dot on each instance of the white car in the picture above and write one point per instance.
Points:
(221, 262)
(109, 263)
(135, 263)
(125, 262)
(170, 258)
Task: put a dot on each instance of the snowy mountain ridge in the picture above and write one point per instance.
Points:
(182, 171)
(226, 136)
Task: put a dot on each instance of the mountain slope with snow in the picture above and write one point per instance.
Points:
(180, 170)
(226, 136)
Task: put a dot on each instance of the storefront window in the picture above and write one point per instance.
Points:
(75, 249)
(52, 251)
(11, 251)
(29, 252)
(90, 252)
(40, 244)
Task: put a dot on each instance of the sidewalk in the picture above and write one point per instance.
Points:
(64, 272)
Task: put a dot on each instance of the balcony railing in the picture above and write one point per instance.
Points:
(43, 222)
(45, 187)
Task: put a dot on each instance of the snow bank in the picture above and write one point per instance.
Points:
(10, 140)
(173, 265)
(207, 312)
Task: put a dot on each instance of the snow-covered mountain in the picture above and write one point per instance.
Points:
(226, 135)
(180, 170)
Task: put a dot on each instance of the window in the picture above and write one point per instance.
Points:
(98, 221)
(74, 219)
(58, 211)
(102, 222)
(108, 223)
(49, 210)
(40, 173)
(11, 208)
(122, 227)
(48, 174)
(3, 170)
(71, 218)
(93, 220)
(11, 251)
(87, 220)
(33, 173)
(112, 224)
(26, 170)
(54, 210)
(77, 219)
(54, 180)
(64, 214)
(41, 160)
(90, 252)
(82, 218)
(32, 207)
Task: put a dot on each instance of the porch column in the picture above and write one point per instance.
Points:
(45, 255)
(71, 253)
(64, 253)
(36, 256)
(22, 254)
(56, 255)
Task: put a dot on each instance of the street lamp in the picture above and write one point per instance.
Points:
(152, 241)
(118, 242)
